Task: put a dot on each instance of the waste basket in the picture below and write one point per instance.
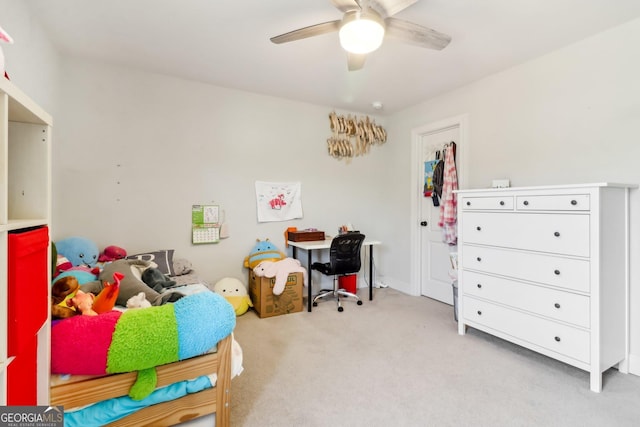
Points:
(455, 300)
(348, 282)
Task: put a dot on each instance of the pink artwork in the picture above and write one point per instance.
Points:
(277, 202)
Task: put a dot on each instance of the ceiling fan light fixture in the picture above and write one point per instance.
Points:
(361, 32)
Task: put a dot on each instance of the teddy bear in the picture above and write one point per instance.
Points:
(235, 293)
(280, 270)
(263, 250)
(68, 299)
(62, 290)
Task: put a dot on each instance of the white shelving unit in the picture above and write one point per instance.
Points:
(25, 201)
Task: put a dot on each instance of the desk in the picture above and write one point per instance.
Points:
(312, 245)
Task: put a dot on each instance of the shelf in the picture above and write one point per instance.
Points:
(17, 224)
(22, 108)
(25, 203)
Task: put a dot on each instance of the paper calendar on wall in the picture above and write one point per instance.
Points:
(205, 224)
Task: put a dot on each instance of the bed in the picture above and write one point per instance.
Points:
(196, 384)
(84, 390)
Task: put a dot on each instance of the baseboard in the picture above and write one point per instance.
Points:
(398, 285)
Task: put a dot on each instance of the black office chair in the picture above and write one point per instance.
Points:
(344, 258)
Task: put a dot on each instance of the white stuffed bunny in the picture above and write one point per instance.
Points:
(5, 37)
(138, 301)
(280, 270)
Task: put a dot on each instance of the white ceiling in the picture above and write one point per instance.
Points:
(226, 43)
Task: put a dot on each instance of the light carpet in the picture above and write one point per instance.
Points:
(398, 361)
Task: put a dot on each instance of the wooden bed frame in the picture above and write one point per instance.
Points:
(83, 390)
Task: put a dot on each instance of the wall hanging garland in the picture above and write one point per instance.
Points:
(353, 136)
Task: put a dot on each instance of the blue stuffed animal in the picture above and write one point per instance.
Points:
(263, 250)
(80, 251)
(77, 256)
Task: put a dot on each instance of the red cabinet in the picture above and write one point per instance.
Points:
(28, 310)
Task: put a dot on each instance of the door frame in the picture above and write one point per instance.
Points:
(462, 156)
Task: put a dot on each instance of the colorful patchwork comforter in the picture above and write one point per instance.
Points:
(140, 339)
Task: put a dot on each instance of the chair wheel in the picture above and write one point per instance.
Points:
(359, 302)
(340, 309)
(315, 304)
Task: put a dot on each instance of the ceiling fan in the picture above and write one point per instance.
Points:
(364, 25)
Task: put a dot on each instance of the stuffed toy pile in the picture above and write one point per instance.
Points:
(80, 258)
(132, 282)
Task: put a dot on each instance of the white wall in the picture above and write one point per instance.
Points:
(134, 152)
(568, 117)
(31, 61)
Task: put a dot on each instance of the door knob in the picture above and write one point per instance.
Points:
(423, 223)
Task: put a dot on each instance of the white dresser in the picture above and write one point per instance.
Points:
(548, 268)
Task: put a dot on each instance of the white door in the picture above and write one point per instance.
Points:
(435, 264)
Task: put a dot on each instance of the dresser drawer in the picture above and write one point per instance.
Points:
(566, 340)
(559, 202)
(558, 305)
(487, 203)
(565, 273)
(566, 234)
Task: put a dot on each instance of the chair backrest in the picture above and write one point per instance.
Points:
(344, 254)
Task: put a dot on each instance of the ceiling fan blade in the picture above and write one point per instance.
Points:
(345, 5)
(355, 61)
(416, 34)
(388, 8)
(311, 31)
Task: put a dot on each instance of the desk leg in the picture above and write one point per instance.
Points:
(295, 252)
(309, 297)
(370, 272)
